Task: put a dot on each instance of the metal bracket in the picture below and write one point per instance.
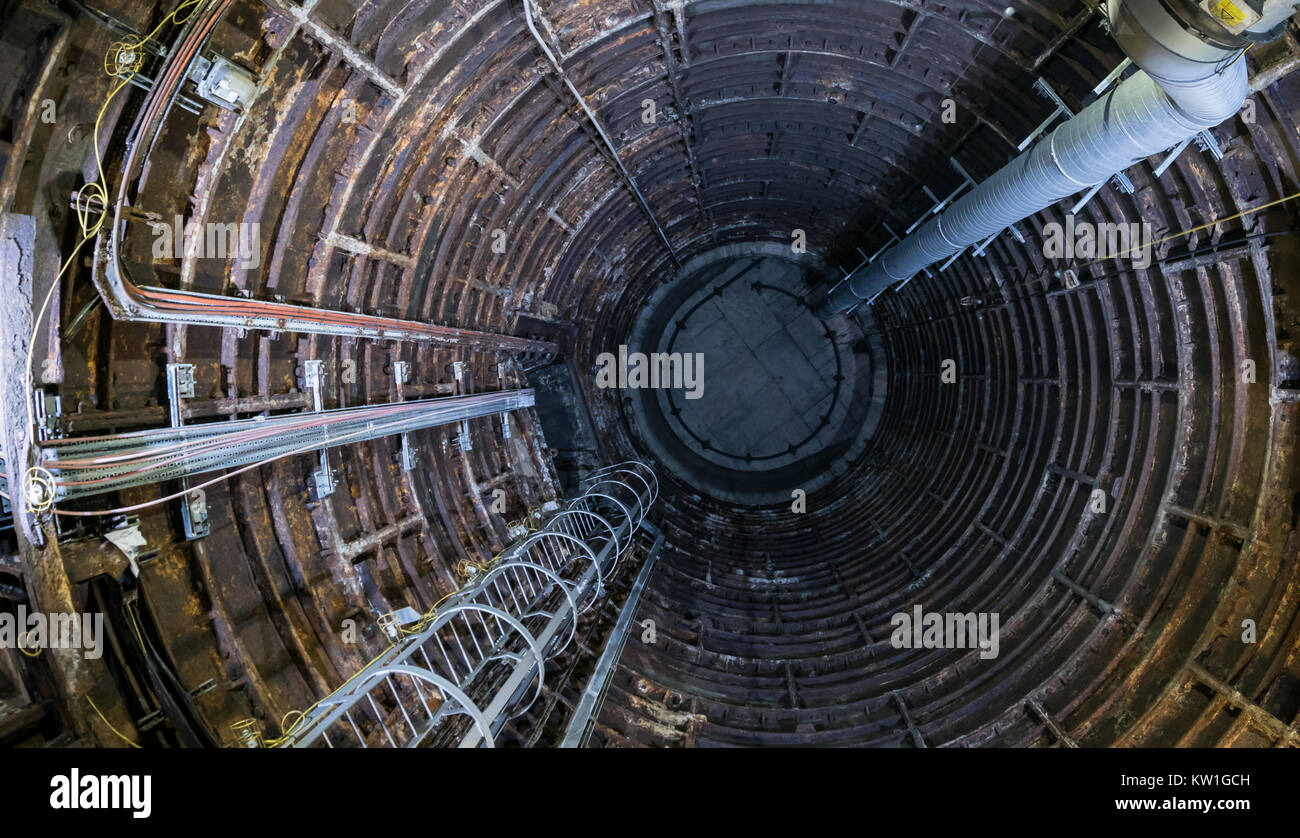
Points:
(314, 380)
(47, 408)
(867, 260)
(505, 417)
(967, 181)
(194, 506)
(204, 688)
(149, 720)
(392, 623)
(222, 83)
(1044, 89)
(145, 83)
(893, 239)
(180, 385)
(1013, 230)
(322, 484)
(401, 372)
(940, 203)
(951, 259)
(1119, 180)
(1113, 77)
(1204, 141)
(408, 454)
(194, 514)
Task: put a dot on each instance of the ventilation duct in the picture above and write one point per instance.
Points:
(1188, 82)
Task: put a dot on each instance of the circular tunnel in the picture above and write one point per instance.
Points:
(1098, 458)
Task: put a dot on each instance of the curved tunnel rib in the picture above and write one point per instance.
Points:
(1101, 455)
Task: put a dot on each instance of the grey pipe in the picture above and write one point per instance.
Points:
(1186, 85)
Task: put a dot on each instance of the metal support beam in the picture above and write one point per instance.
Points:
(685, 116)
(1041, 713)
(314, 381)
(583, 720)
(340, 46)
(194, 506)
(600, 129)
(1250, 709)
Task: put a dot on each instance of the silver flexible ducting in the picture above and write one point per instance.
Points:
(1186, 86)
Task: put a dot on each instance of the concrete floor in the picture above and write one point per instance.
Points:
(770, 368)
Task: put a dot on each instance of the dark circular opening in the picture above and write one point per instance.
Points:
(778, 395)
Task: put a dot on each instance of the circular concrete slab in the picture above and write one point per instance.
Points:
(771, 369)
(776, 399)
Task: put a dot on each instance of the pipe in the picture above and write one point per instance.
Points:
(1186, 85)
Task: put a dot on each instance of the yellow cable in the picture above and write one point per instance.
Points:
(287, 732)
(96, 189)
(43, 482)
(110, 724)
(135, 626)
(1188, 232)
(22, 647)
(429, 616)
